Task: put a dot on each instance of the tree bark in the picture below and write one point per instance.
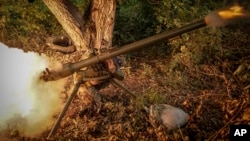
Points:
(102, 18)
(95, 31)
(70, 19)
(86, 32)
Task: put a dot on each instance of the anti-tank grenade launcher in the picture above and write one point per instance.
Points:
(70, 68)
(217, 18)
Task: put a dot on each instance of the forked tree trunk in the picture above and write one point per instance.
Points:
(95, 31)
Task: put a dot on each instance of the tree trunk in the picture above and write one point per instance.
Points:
(102, 19)
(70, 19)
(95, 31)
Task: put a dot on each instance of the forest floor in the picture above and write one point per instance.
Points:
(206, 73)
(211, 111)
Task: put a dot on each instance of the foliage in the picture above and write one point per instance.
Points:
(26, 19)
(134, 21)
(26, 24)
(205, 72)
(194, 50)
(31, 22)
(82, 5)
(173, 14)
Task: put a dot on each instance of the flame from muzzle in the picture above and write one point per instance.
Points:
(226, 16)
(27, 104)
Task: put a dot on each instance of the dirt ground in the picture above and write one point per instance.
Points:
(121, 117)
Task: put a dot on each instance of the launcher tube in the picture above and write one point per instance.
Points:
(139, 44)
(70, 68)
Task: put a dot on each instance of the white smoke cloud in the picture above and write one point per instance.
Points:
(27, 104)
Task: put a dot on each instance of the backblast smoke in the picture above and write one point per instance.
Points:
(27, 104)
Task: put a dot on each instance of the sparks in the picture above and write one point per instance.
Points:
(232, 12)
(226, 16)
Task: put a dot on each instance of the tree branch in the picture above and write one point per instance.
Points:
(70, 19)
